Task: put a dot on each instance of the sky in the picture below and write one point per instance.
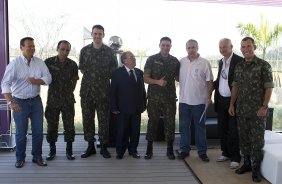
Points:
(141, 23)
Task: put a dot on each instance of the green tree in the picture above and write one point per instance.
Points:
(264, 35)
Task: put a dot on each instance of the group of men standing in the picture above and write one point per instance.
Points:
(244, 82)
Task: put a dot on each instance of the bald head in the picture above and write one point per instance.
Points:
(225, 47)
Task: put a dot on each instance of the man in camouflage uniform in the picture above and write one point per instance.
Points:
(96, 62)
(60, 99)
(252, 87)
(160, 73)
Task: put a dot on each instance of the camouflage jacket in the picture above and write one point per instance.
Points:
(60, 90)
(157, 67)
(97, 65)
(251, 79)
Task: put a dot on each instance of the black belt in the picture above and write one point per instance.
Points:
(28, 99)
(225, 97)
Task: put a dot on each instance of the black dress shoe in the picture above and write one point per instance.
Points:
(119, 157)
(134, 155)
(204, 157)
(89, 151)
(244, 168)
(19, 163)
(51, 156)
(40, 162)
(148, 156)
(170, 156)
(182, 155)
(104, 152)
(70, 157)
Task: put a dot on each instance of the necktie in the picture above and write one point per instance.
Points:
(131, 74)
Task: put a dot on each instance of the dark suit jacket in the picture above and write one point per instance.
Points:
(127, 96)
(234, 61)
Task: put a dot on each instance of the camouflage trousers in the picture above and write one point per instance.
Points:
(89, 105)
(157, 109)
(251, 135)
(52, 114)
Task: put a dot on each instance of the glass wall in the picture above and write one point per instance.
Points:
(141, 24)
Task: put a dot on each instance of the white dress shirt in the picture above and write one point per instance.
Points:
(223, 88)
(15, 78)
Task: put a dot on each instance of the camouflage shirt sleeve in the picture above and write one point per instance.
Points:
(267, 76)
(75, 72)
(235, 79)
(114, 64)
(82, 62)
(148, 66)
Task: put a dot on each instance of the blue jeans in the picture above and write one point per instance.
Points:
(187, 113)
(33, 110)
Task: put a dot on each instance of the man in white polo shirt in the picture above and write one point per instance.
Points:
(196, 83)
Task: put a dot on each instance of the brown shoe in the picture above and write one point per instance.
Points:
(19, 163)
(40, 162)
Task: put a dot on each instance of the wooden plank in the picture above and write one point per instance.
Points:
(96, 169)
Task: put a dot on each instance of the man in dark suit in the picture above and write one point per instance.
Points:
(128, 101)
(227, 124)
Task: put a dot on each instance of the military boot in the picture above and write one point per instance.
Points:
(69, 151)
(246, 167)
(90, 150)
(52, 152)
(256, 175)
(149, 151)
(104, 151)
(169, 152)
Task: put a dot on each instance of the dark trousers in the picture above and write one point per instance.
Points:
(128, 132)
(228, 130)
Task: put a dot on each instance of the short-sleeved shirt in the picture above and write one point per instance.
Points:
(60, 91)
(251, 79)
(158, 67)
(193, 79)
(98, 65)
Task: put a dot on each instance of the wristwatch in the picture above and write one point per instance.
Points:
(265, 106)
(10, 102)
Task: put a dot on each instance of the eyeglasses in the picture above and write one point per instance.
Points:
(223, 75)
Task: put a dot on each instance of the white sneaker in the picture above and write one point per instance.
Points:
(222, 158)
(234, 165)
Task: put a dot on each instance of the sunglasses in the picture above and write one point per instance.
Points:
(223, 75)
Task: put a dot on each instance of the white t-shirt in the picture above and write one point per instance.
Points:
(193, 79)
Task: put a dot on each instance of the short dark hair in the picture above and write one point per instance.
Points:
(165, 39)
(97, 26)
(24, 39)
(62, 41)
(249, 38)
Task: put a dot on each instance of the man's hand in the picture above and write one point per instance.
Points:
(31, 80)
(262, 112)
(231, 110)
(15, 107)
(162, 82)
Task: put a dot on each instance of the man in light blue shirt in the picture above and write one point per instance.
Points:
(21, 88)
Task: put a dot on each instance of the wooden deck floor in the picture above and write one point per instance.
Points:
(96, 169)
